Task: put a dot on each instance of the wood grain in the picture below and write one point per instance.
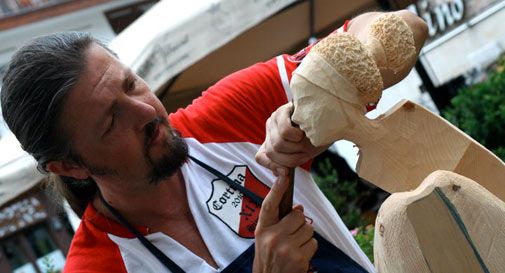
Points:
(418, 232)
(402, 147)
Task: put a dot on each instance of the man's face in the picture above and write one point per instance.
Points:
(117, 127)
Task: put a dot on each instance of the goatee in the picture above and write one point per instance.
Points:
(176, 152)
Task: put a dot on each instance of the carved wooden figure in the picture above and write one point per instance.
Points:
(399, 149)
(448, 224)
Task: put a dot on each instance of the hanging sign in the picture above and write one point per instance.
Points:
(444, 15)
(21, 214)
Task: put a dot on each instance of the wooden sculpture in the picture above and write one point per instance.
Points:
(341, 75)
(415, 231)
(448, 224)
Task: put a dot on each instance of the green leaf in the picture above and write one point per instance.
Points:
(479, 110)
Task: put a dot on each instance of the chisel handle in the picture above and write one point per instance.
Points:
(286, 204)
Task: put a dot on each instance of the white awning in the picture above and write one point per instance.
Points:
(18, 170)
(175, 34)
(168, 38)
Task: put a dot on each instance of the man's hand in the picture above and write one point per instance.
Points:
(285, 145)
(286, 245)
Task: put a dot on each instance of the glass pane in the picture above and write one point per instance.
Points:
(49, 257)
(13, 7)
(17, 258)
(40, 241)
(52, 262)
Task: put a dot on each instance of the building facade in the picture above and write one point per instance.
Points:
(35, 234)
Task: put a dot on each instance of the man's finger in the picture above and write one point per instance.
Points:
(283, 145)
(309, 248)
(261, 156)
(269, 214)
(264, 160)
(303, 234)
(286, 130)
(287, 160)
(292, 222)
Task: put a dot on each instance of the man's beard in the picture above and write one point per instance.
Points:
(174, 157)
(170, 162)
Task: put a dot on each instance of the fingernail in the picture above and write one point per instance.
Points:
(282, 171)
(298, 207)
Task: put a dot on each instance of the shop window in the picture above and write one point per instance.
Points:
(33, 251)
(47, 255)
(17, 257)
(122, 17)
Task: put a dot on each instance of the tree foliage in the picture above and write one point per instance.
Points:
(479, 110)
(343, 195)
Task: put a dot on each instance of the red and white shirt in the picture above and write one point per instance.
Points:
(223, 128)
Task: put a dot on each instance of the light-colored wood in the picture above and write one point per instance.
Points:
(403, 146)
(448, 224)
(399, 149)
(444, 245)
(416, 233)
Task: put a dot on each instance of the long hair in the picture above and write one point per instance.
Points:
(35, 86)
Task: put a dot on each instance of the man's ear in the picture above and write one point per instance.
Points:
(66, 168)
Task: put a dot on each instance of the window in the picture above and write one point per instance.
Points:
(33, 251)
(18, 259)
(46, 252)
(15, 7)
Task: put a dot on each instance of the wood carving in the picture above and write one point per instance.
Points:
(448, 224)
(399, 149)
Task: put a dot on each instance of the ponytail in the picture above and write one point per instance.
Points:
(78, 193)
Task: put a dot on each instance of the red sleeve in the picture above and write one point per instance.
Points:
(236, 108)
(92, 251)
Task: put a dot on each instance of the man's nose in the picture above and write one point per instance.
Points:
(141, 114)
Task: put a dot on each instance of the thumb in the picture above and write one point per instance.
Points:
(269, 213)
(261, 156)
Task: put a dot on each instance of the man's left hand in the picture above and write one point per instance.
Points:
(285, 145)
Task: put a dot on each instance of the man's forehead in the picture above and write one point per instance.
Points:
(91, 93)
(101, 67)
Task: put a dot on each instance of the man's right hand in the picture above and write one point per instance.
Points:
(284, 245)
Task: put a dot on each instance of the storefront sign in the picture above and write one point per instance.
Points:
(21, 214)
(468, 45)
(443, 15)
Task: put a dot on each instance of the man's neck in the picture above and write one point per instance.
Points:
(166, 200)
(161, 208)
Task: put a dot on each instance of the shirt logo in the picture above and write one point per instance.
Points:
(234, 209)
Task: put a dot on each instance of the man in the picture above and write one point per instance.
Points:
(152, 188)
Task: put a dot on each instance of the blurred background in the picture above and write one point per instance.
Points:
(182, 48)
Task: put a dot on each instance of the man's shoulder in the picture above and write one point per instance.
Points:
(92, 251)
